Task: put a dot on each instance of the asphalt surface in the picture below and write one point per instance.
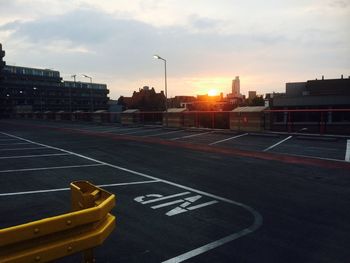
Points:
(224, 196)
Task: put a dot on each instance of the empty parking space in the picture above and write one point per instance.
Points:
(331, 148)
(301, 145)
(35, 187)
(180, 203)
(253, 142)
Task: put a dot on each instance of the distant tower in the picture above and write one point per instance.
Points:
(236, 87)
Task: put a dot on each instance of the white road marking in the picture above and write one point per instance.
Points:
(130, 183)
(35, 192)
(228, 139)
(112, 129)
(50, 168)
(16, 143)
(33, 156)
(66, 189)
(20, 149)
(258, 220)
(167, 204)
(347, 153)
(184, 207)
(164, 133)
(150, 130)
(313, 157)
(276, 144)
(207, 247)
(202, 205)
(164, 198)
(92, 128)
(130, 129)
(190, 136)
(185, 202)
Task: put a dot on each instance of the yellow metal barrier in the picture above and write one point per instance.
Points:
(51, 238)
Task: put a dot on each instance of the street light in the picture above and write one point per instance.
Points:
(91, 99)
(166, 91)
(70, 93)
(21, 92)
(41, 99)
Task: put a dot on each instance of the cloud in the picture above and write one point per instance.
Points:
(118, 49)
(339, 4)
(125, 43)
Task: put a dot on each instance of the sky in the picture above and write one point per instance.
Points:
(206, 43)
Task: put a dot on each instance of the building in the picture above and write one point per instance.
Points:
(236, 88)
(24, 89)
(235, 97)
(146, 99)
(180, 101)
(315, 94)
(251, 95)
(317, 105)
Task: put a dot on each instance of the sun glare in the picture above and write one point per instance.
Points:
(213, 92)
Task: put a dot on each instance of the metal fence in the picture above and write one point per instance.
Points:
(336, 121)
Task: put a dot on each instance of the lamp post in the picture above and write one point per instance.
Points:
(70, 93)
(91, 99)
(41, 99)
(21, 92)
(166, 89)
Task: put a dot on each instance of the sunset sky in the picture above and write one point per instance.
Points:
(206, 43)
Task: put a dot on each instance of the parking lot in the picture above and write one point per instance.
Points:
(195, 195)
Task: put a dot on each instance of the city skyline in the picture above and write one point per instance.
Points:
(206, 45)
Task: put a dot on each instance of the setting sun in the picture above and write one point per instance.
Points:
(213, 92)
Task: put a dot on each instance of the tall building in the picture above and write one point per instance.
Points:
(24, 89)
(236, 89)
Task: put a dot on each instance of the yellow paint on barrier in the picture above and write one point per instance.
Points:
(52, 238)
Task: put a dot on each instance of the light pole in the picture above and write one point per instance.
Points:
(70, 93)
(41, 99)
(166, 89)
(21, 92)
(91, 99)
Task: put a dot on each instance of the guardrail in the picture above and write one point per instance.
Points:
(336, 121)
(86, 227)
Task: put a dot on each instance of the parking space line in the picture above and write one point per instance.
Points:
(190, 136)
(146, 130)
(66, 189)
(228, 139)
(16, 143)
(347, 152)
(92, 128)
(257, 222)
(164, 133)
(130, 183)
(33, 156)
(313, 157)
(276, 144)
(50, 168)
(112, 129)
(20, 149)
(130, 129)
(205, 248)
